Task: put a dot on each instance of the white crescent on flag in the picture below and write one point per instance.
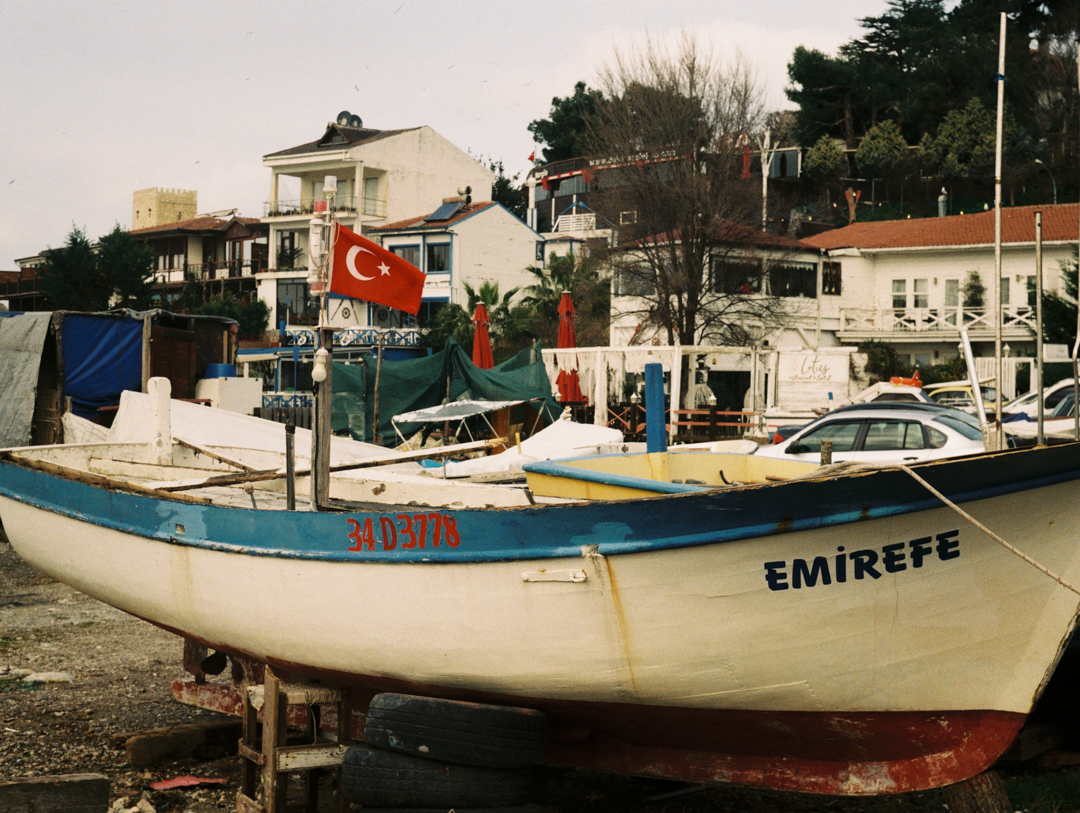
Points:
(350, 262)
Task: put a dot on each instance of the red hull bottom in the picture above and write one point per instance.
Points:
(835, 753)
(842, 754)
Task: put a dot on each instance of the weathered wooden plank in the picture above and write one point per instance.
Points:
(202, 740)
(306, 757)
(74, 793)
(245, 804)
(97, 479)
(371, 462)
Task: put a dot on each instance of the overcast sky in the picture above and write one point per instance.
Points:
(100, 99)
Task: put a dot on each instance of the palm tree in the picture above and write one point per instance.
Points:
(590, 291)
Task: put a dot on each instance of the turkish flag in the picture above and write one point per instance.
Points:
(365, 270)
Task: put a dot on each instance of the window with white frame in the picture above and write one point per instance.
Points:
(1004, 290)
(438, 258)
(410, 254)
(899, 293)
(920, 297)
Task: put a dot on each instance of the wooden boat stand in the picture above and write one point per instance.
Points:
(267, 758)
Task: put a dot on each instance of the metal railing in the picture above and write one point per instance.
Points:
(355, 337)
(225, 269)
(375, 207)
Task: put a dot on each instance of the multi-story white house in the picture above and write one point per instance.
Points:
(904, 280)
(382, 176)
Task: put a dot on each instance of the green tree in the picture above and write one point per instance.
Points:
(963, 146)
(563, 131)
(825, 163)
(824, 89)
(507, 191)
(974, 290)
(1059, 308)
(883, 153)
(589, 289)
(220, 305)
(128, 267)
(73, 280)
(882, 361)
(898, 62)
(451, 321)
(254, 317)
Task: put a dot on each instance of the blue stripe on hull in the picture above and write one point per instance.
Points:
(539, 532)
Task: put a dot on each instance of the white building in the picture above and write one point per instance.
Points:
(903, 280)
(382, 176)
(456, 244)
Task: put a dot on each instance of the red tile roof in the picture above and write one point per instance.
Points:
(1017, 226)
(418, 222)
(730, 233)
(205, 223)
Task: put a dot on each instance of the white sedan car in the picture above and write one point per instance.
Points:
(900, 434)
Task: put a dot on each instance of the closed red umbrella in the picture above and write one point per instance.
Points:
(481, 342)
(568, 383)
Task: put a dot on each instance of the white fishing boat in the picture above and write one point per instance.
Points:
(848, 633)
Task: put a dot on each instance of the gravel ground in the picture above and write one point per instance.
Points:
(121, 669)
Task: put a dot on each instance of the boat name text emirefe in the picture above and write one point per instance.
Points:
(893, 558)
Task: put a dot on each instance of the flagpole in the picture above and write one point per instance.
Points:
(322, 369)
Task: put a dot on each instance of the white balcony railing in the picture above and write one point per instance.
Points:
(943, 320)
(565, 223)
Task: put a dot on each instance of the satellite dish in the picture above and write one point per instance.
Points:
(355, 121)
(343, 118)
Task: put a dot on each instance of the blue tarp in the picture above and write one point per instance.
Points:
(102, 358)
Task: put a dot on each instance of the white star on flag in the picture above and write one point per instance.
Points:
(385, 269)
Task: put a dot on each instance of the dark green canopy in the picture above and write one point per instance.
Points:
(405, 386)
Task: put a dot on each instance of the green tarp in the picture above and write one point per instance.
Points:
(405, 386)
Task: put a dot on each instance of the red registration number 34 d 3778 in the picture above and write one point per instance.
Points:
(410, 529)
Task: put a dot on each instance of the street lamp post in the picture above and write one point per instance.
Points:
(1051, 174)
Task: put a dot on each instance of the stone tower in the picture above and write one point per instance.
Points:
(157, 207)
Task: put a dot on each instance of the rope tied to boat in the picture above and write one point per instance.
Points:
(987, 531)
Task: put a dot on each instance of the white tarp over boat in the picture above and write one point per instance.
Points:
(564, 438)
(221, 429)
(454, 411)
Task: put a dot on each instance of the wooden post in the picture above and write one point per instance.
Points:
(712, 421)
(275, 733)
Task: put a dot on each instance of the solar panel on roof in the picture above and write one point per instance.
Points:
(444, 212)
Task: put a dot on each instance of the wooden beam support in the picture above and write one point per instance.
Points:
(74, 793)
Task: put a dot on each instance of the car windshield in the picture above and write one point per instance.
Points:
(1064, 409)
(963, 427)
(841, 433)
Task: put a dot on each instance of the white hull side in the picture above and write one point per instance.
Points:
(695, 627)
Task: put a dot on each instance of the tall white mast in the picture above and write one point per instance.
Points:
(998, 439)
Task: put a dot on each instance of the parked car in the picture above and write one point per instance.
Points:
(884, 433)
(959, 394)
(1028, 403)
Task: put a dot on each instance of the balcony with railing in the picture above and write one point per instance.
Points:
(354, 337)
(226, 269)
(372, 207)
(934, 323)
